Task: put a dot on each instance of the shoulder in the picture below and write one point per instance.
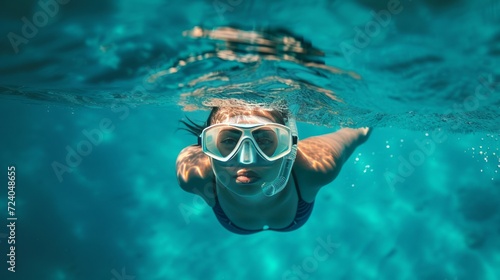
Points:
(194, 173)
(320, 158)
(315, 166)
(317, 163)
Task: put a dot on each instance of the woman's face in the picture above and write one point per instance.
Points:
(245, 173)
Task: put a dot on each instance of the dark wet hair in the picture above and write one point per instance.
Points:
(194, 128)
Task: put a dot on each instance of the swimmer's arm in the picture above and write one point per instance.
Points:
(194, 173)
(320, 158)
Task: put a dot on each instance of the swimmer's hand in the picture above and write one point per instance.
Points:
(364, 134)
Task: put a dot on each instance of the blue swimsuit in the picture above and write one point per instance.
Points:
(304, 210)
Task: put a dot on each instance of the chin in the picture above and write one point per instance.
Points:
(246, 190)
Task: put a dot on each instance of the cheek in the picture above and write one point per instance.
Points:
(224, 166)
(272, 171)
(223, 171)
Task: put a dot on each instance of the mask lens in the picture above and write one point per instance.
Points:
(227, 139)
(266, 139)
(272, 141)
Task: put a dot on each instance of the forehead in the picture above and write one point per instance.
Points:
(235, 115)
(242, 119)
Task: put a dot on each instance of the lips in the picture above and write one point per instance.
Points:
(246, 176)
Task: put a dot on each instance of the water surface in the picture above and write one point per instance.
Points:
(419, 200)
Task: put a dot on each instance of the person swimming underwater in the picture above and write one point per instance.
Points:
(250, 167)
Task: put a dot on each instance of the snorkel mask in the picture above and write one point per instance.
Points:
(264, 143)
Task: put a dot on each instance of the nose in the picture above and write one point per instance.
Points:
(247, 154)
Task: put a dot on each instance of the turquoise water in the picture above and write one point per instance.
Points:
(90, 103)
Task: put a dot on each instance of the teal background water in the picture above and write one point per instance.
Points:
(119, 213)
